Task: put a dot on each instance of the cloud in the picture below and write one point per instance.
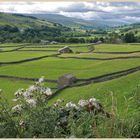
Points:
(81, 15)
(132, 19)
(32, 7)
(126, 11)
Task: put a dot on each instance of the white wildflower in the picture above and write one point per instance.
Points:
(94, 103)
(27, 94)
(47, 92)
(37, 83)
(41, 79)
(71, 105)
(92, 100)
(56, 104)
(83, 103)
(22, 123)
(17, 108)
(31, 102)
(32, 88)
(19, 92)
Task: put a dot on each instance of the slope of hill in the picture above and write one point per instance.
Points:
(134, 28)
(15, 27)
(131, 27)
(80, 23)
(58, 19)
(22, 21)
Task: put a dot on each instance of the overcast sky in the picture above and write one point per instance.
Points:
(127, 11)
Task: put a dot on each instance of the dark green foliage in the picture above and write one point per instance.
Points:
(129, 37)
(59, 121)
(42, 123)
(19, 28)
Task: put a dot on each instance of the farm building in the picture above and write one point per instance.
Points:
(66, 80)
(66, 49)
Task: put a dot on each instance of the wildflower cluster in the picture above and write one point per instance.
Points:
(31, 96)
(32, 107)
(32, 117)
(91, 105)
(71, 111)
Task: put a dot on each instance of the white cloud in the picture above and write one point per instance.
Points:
(24, 7)
(80, 15)
(133, 19)
(84, 10)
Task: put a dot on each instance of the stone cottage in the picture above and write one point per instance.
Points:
(66, 49)
(66, 80)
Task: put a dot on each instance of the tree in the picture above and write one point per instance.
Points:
(129, 37)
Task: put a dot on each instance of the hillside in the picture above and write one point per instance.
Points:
(132, 31)
(21, 21)
(80, 23)
(132, 27)
(15, 27)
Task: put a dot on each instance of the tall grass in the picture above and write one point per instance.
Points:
(38, 119)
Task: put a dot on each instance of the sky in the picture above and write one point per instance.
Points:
(127, 11)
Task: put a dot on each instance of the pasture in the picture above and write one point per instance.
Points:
(34, 61)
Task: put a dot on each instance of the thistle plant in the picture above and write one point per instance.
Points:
(32, 117)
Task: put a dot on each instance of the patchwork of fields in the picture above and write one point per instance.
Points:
(109, 69)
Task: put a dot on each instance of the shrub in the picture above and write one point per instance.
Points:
(32, 117)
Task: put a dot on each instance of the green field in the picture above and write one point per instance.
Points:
(53, 67)
(117, 48)
(122, 89)
(16, 56)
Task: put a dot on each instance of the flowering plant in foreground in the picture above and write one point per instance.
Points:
(32, 117)
(32, 96)
(37, 94)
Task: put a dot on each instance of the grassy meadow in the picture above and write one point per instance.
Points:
(53, 67)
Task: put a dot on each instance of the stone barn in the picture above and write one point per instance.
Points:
(66, 49)
(66, 80)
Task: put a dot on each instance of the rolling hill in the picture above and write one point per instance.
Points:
(22, 21)
(17, 27)
(80, 23)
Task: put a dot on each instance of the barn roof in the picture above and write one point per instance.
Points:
(68, 76)
(66, 47)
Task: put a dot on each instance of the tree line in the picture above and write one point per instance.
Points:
(62, 34)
